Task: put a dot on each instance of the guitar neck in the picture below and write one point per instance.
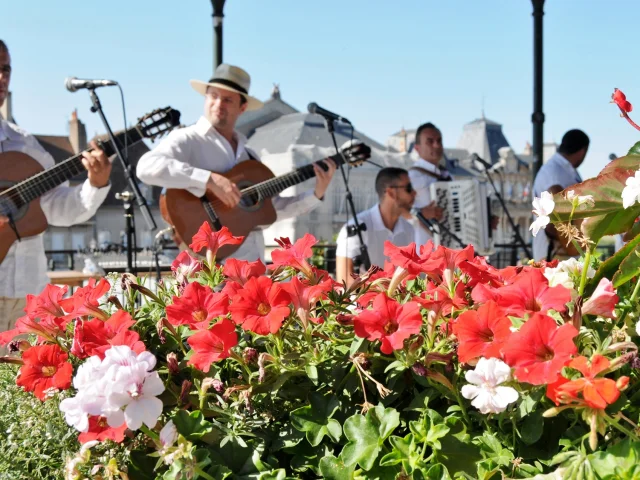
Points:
(274, 186)
(34, 187)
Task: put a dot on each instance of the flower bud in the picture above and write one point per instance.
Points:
(419, 369)
(622, 383)
(344, 319)
(184, 392)
(172, 363)
(250, 355)
(218, 386)
(18, 346)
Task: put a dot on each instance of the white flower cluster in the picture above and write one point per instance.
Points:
(631, 192)
(485, 390)
(542, 207)
(121, 388)
(565, 273)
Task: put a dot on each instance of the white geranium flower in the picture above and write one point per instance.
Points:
(581, 202)
(487, 395)
(565, 273)
(631, 193)
(121, 388)
(168, 434)
(638, 328)
(542, 207)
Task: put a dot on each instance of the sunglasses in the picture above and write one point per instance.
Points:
(407, 188)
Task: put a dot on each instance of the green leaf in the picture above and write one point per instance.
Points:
(333, 468)
(312, 373)
(315, 419)
(438, 472)
(532, 428)
(610, 266)
(436, 432)
(141, 466)
(458, 456)
(366, 435)
(404, 451)
(629, 268)
(619, 461)
(192, 426)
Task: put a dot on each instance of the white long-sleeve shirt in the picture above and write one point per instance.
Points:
(421, 183)
(185, 160)
(24, 269)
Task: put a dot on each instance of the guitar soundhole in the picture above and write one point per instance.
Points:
(251, 200)
(8, 205)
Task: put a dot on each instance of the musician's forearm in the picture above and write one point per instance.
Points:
(344, 269)
(167, 173)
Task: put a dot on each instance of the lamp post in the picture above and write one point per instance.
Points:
(218, 7)
(538, 115)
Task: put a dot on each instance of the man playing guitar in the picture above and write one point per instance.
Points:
(193, 158)
(24, 269)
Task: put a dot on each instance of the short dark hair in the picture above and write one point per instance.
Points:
(3, 47)
(386, 177)
(573, 141)
(423, 127)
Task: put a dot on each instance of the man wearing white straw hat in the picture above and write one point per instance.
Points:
(192, 158)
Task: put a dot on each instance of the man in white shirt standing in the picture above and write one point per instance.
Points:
(558, 173)
(384, 221)
(193, 158)
(428, 145)
(24, 270)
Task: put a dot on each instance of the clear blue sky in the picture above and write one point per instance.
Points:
(382, 64)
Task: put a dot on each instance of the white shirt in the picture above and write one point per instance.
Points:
(185, 160)
(24, 269)
(557, 171)
(374, 236)
(422, 185)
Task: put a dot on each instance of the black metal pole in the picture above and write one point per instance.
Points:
(538, 115)
(218, 7)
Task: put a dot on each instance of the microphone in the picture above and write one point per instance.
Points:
(74, 84)
(476, 158)
(315, 108)
(612, 156)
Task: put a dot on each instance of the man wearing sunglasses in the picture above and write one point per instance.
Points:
(384, 221)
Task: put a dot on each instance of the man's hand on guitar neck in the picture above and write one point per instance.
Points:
(98, 166)
(224, 189)
(323, 177)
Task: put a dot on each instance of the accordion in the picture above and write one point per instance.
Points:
(467, 214)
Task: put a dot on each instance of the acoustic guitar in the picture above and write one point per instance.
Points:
(257, 184)
(23, 180)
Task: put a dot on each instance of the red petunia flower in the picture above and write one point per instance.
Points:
(479, 271)
(45, 367)
(389, 322)
(46, 330)
(304, 297)
(437, 298)
(596, 392)
(240, 270)
(95, 337)
(100, 430)
(46, 305)
(212, 241)
(197, 306)
(295, 255)
(443, 261)
(603, 301)
(482, 333)
(620, 99)
(406, 257)
(85, 300)
(212, 345)
(540, 349)
(185, 266)
(529, 292)
(260, 306)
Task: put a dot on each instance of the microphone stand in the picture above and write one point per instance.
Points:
(125, 196)
(516, 230)
(431, 227)
(364, 253)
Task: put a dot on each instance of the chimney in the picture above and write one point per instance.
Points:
(527, 149)
(402, 144)
(6, 110)
(77, 133)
